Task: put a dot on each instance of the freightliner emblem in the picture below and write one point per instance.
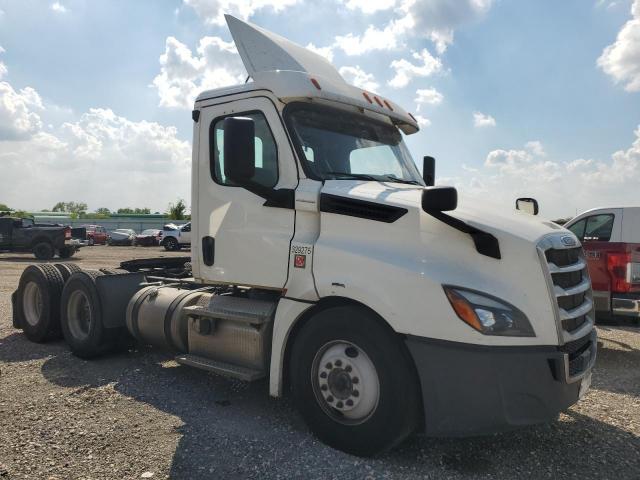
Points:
(568, 241)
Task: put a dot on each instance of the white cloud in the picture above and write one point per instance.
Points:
(443, 15)
(441, 39)
(428, 96)
(184, 75)
(18, 120)
(370, 6)
(213, 11)
(482, 120)
(405, 70)
(562, 188)
(58, 7)
(121, 162)
(422, 121)
(326, 52)
(374, 38)
(358, 77)
(3, 70)
(621, 59)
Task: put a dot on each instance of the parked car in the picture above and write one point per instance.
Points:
(44, 240)
(149, 238)
(611, 241)
(96, 234)
(121, 236)
(176, 237)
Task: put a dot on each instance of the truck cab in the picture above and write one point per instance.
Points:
(323, 260)
(611, 240)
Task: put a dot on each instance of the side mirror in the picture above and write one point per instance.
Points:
(239, 149)
(439, 199)
(527, 205)
(429, 171)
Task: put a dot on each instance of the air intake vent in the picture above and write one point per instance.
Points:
(360, 208)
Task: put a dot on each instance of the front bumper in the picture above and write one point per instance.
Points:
(626, 305)
(476, 390)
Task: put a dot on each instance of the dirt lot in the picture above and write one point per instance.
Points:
(138, 414)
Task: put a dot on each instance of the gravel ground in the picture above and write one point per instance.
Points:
(140, 415)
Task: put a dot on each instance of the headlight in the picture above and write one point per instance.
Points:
(487, 314)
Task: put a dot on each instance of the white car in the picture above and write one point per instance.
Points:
(176, 237)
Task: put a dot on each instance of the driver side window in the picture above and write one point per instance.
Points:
(266, 152)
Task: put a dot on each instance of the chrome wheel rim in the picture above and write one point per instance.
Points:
(345, 382)
(32, 303)
(79, 315)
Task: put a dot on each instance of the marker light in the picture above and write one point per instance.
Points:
(388, 105)
(316, 84)
(366, 95)
(487, 314)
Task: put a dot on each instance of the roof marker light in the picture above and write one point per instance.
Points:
(378, 101)
(366, 95)
(413, 118)
(316, 84)
(388, 105)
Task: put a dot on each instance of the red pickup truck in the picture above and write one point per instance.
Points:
(611, 241)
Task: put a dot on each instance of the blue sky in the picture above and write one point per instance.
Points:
(517, 98)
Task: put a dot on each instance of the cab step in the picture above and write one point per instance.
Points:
(222, 368)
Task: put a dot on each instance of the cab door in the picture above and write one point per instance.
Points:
(239, 236)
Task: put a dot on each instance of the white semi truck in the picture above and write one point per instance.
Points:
(322, 260)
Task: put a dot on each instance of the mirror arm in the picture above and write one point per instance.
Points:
(486, 244)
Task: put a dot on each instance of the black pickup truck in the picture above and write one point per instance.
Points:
(44, 240)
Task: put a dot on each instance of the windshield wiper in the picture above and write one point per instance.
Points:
(393, 178)
(357, 176)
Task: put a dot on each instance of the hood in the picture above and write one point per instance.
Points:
(480, 214)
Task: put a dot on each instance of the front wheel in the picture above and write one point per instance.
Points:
(171, 244)
(91, 241)
(354, 382)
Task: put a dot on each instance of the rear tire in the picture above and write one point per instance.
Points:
(67, 269)
(81, 317)
(37, 303)
(171, 244)
(66, 252)
(43, 251)
(354, 382)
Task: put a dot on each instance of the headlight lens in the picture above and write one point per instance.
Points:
(487, 314)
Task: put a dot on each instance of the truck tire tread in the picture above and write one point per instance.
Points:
(50, 283)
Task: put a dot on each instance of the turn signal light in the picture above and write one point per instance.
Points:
(463, 309)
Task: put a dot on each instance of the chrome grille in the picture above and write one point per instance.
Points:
(569, 285)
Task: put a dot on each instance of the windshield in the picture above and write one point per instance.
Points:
(148, 232)
(337, 145)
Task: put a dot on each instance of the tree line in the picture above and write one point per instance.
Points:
(175, 211)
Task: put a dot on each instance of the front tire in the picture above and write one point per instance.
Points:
(171, 244)
(354, 382)
(91, 241)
